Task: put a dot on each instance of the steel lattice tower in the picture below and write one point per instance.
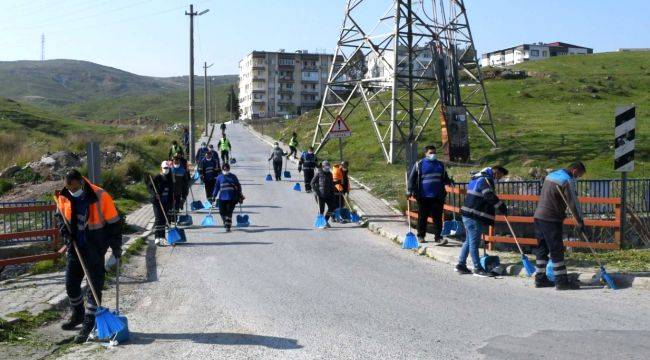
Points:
(400, 69)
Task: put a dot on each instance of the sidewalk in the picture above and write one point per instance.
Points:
(390, 223)
(37, 293)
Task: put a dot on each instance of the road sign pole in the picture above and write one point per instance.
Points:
(623, 203)
(341, 149)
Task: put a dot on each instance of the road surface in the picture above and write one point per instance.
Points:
(283, 290)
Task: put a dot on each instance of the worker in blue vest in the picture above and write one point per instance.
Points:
(209, 168)
(307, 165)
(200, 153)
(426, 183)
(229, 189)
(180, 185)
(478, 211)
(548, 221)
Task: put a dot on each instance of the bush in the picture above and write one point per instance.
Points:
(113, 183)
(136, 171)
(26, 175)
(5, 185)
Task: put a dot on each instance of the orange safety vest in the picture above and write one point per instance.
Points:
(100, 212)
(337, 176)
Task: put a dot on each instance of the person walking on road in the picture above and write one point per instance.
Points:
(426, 184)
(341, 182)
(186, 140)
(223, 128)
(293, 146)
(215, 153)
(323, 185)
(88, 217)
(225, 147)
(277, 155)
(229, 190)
(200, 153)
(161, 187)
(548, 219)
(307, 164)
(209, 170)
(174, 149)
(180, 185)
(478, 211)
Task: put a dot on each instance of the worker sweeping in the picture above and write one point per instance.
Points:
(293, 146)
(548, 219)
(341, 182)
(426, 184)
(94, 227)
(162, 186)
(225, 147)
(478, 212)
(277, 156)
(307, 164)
(180, 185)
(323, 185)
(209, 170)
(200, 153)
(229, 189)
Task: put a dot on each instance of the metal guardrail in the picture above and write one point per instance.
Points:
(29, 222)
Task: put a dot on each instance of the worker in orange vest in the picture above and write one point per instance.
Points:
(88, 217)
(341, 182)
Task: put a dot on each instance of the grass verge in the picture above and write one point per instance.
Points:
(19, 331)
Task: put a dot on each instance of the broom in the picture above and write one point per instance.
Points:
(354, 216)
(269, 177)
(410, 241)
(121, 336)
(286, 174)
(528, 266)
(603, 273)
(173, 236)
(106, 323)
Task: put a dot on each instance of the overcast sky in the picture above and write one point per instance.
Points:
(150, 37)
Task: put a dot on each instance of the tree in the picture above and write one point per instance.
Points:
(232, 103)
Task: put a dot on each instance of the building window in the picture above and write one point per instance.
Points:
(534, 53)
(285, 62)
(545, 53)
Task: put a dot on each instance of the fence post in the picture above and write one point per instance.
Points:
(617, 217)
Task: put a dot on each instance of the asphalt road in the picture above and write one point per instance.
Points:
(281, 289)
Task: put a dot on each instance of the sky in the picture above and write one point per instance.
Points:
(151, 37)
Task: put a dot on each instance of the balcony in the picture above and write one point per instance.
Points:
(286, 79)
(259, 79)
(285, 91)
(259, 67)
(310, 91)
(285, 102)
(309, 80)
(259, 101)
(310, 68)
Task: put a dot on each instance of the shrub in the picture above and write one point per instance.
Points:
(113, 183)
(135, 170)
(5, 185)
(26, 175)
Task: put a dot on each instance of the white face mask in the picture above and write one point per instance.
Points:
(76, 193)
(165, 171)
(226, 172)
(208, 158)
(326, 168)
(431, 156)
(176, 166)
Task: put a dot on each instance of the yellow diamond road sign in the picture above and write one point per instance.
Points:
(339, 129)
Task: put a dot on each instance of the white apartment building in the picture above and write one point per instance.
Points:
(281, 83)
(531, 52)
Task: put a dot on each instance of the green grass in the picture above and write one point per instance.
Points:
(624, 260)
(20, 330)
(547, 120)
(48, 266)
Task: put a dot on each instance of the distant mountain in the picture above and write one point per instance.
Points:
(64, 82)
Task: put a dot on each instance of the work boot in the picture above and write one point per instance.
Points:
(421, 239)
(86, 329)
(462, 269)
(440, 242)
(76, 318)
(562, 283)
(541, 281)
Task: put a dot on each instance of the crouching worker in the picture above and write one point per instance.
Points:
(548, 219)
(478, 211)
(229, 193)
(161, 200)
(88, 218)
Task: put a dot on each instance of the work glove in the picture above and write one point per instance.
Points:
(503, 209)
(117, 250)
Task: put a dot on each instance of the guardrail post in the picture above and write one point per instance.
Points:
(618, 219)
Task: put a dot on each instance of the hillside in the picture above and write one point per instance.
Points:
(564, 111)
(26, 132)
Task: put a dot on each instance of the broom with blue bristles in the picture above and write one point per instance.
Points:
(410, 241)
(603, 273)
(107, 324)
(528, 266)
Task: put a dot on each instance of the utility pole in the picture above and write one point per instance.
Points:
(206, 109)
(209, 102)
(42, 47)
(192, 140)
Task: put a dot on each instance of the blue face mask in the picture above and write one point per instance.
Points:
(431, 156)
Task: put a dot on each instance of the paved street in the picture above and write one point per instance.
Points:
(281, 289)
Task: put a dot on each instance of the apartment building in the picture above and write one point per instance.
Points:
(281, 83)
(531, 52)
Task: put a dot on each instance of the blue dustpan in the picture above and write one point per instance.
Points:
(337, 214)
(196, 205)
(185, 220)
(173, 236)
(233, 161)
(107, 324)
(320, 222)
(243, 221)
(410, 241)
(269, 177)
(607, 278)
(287, 174)
(123, 335)
(208, 221)
(528, 266)
(207, 205)
(354, 217)
(183, 239)
(297, 187)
